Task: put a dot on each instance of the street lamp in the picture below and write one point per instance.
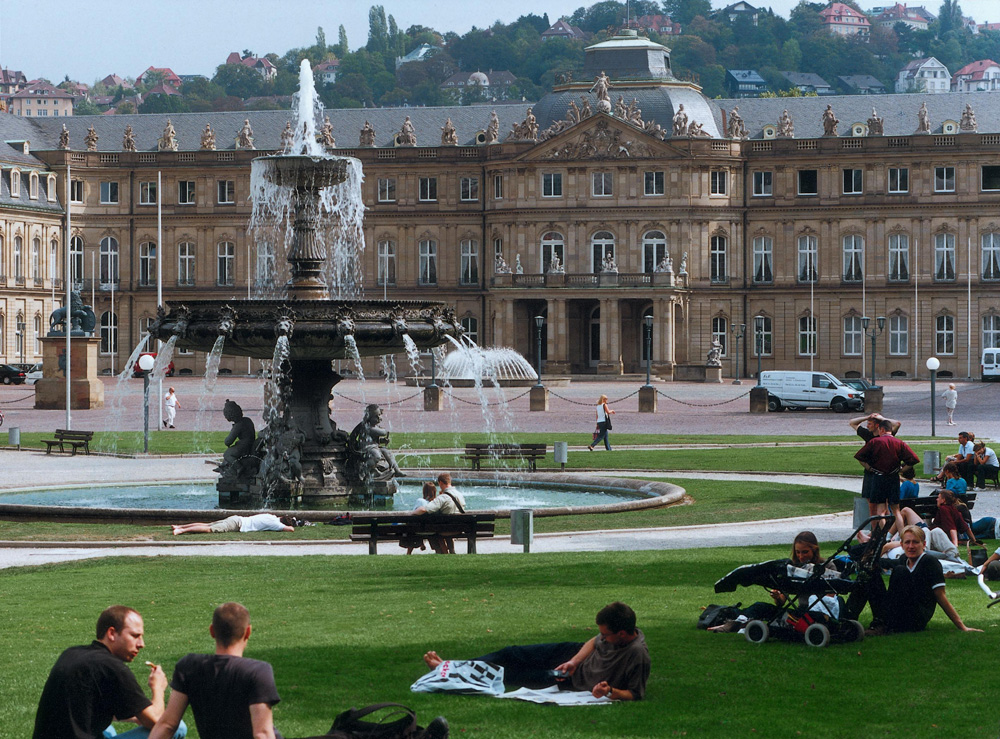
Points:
(758, 330)
(932, 364)
(738, 333)
(539, 321)
(146, 363)
(21, 328)
(875, 332)
(649, 344)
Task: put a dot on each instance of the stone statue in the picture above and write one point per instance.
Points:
(238, 462)
(737, 129)
(585, 110)
(325, 136)
(493, 129)
(923, 119)
(526, 130)
(367, 456)
(621, 111)
(680, 122)
(666, 264)
(634, 113)
(556, 266)
(367, 137)
(168, 141)
(786, 128)
(684, 264)
(517, 264)
(696, 130)
(91, 139)
(82, 318)
(208, 138)
(968, 122)
(573, 112)
(244, 140)
(449, 136)
(714, 354)
(407, 136)
(608, 265)
(601, 86)
(128, 139)
(64, 138)
(287, 134)
(829, 122)
(876, 125)
(287, 457)
(501, 267)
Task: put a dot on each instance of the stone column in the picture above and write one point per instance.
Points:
(611, 354)
(558, 344)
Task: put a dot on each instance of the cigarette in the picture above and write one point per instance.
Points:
(150, 663)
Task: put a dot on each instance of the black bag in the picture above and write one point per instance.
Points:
(715, 615)
(349, 724)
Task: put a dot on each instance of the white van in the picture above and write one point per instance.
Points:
(789, 389)
(991, 364)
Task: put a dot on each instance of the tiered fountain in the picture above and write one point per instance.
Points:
(314, 199)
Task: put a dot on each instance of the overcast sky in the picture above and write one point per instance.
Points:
(88, 39)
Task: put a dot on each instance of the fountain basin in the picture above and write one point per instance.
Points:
(303, 172)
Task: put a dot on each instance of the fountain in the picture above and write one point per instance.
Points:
(468, 364)
(311, 201)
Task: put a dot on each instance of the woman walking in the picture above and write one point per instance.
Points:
(950, 401)
(603, 423)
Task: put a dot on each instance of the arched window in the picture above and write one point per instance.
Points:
(109, 263)
(899, 257)
(54, 260)
(185, 263)
(718, 262)
(553, 245)
(654, 250)
(226, 264)
(470, 262)
(33, 186)
(109, 333)
(720, 333)
(807, 336)
(18, 259)
(470, 325)
(36, 259)
(15, 183)
(854, 257)
(76, 261)
(36, 326)
(944, 257)
(602, 244)
(147, 263)
(763, 251)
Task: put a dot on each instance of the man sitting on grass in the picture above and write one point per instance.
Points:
(231, 696)
(614, 664)
(242, 524)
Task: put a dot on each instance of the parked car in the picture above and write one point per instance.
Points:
(34, 374)
(136, 372)
(858, 383)
(11, 375)
(798, 389)
(990, 365)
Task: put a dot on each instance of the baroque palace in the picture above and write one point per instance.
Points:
(621, 195)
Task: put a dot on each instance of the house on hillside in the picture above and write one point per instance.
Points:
(163, 88)
(744, 83)
(11, 80)
(41, 100)
(924, 75)
(899, 13)
(739, 9)
(113, 81)
(562, 29)
(861, 84)
(843, 20)
(989, 26)
(326, 72)
(77, 89)
(661, 24)
(419, 54)
(494, 85)
(166, 73)
(262, 65)
(979, 76)
(808, 82)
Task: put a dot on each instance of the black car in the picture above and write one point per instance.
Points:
(858, 383)
(11, 375)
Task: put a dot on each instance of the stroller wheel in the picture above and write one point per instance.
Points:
(854, 630)
(757, 632)
(817, 635)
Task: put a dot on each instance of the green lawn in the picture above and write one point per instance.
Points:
(349, 631)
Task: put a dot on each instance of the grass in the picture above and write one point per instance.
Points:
(349, 631)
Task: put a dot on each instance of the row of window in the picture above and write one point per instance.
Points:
(108, 274)
(427, 262)
(148, 192)
(853, 182)
(20, 334)
(33, 185)
(853, 336)
(35, 259)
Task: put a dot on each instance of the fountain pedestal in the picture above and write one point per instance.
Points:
(86, 390)
(538, 398)
(432, 398)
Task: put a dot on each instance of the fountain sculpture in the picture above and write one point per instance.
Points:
(310, 199)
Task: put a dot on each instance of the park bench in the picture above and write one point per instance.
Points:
(529, 453)
(926, 506)
(72, 439)
(380, 527)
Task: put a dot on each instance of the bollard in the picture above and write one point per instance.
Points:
(14, 436)
(560, 453)
(522, 527)
(861, 511)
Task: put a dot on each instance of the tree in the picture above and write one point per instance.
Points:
(320, 40)
(85, 107)
(164, 104)
(342, 48)
(378, 30)
(239, 81)
(949, 17)
(685, 11)
(125, 108)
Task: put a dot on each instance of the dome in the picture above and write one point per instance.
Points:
(478, 78)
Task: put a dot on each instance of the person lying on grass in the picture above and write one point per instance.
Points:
(242, 524)
(614, 664)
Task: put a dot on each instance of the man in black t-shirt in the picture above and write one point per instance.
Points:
(90, 686)
(231, 696)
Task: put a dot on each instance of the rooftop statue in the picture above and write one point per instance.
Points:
(684, 264)
(367, 137)
(517, 265)
(493, 128)
(128, 139)
(695, 129)
(407, 136)
(64, 138)
(573, 112)
(786, 127)
(621, 110)
(601, 87)
(287, 134)
(91, 139)
(526, 130)
(923, 119)
(585, 111)
(244, 140)
(634, 114)
(680, 121)
(449, 136)
(325, 135)
(168, 141)
(968, 122)
(737, 129)
(208, 138)
(830, 122)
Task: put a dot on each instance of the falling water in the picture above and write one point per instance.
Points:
(502, 363)
(163, 359)
(413, 354)
(119, 391)
(206, 399)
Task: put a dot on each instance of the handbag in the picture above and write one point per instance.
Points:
(399, 722)
(596, 433)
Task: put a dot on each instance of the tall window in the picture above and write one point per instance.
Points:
(109, 262)
(428, 262)
(718, 265)
(944, 257)
(387, 189)
(899, 257)
(185, 264)
(603, 184)
(807, 336)
(227, 191)
(109, 333)
(853, 181)
(498, 187)
(762, 184)
(15, 184)
(944, 179)
(652, 183)
(19, 329)
(944, 334)
(147, 193)
(109, 193)
(553, 245)
(18, 258)
(470, 326)
(185, 192)
(54, 260)
(76, 191)
(654, 249)
(428, 189)
(854, 258)
(552, 185)
(470, 262)
(226, 263)
(386, 263)
(147, 263)
(33, 186)
(899, 335)
(264, 271)
(720, 333)
(899, 180)
(469, 189)
(853, 336)
(991, 332)
(763, 250)
(719, 182)
(76, 261)
(807, 258)
(36, 326)
(602, 244)
(36, 259)
(762, 336)
(991, 256)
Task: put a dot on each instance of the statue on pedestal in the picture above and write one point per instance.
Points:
(238, 462)
(876, 125)
(449, 136)
(82, 318)
(91, 139)
(680, 121)
(244, 140)
(325, 136)
(923, 119)
(585, 110)
(128, 139)
(829, 122)
(407, 135)
(737, 129)
(493, 128)
(608, 265)
(367, 136)
(168, 141)
(601, 87)
(968, 122)
(287, 134)
(714, 354)
(666, 264)
(684, 264)
(517, 264)
(64, 138)
(501, 267)
(556, 266)
(786, 127)
(367, 456)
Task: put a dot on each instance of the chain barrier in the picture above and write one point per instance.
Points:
(590, 404)
(16, 400)
(488, 405)
(701, 405)
(390, 402)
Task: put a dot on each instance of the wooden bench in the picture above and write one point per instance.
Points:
(72, 439)
(529, 453)
(926, 506)
(378, 527)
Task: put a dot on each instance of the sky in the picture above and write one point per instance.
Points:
(88, 40)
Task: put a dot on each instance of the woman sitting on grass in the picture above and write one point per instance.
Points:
(950, 520)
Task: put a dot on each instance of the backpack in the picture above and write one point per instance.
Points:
(715, 615)
(398, 722)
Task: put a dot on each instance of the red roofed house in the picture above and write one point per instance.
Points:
(989, 26)
(163, 88)
(562, 29)
(11, 80)
(844, 20)
(979, 76)
(113, 81)
(660, 24)
(168, 76)
(326, 72)
(262, 65)
(899, 13)
(41, 100)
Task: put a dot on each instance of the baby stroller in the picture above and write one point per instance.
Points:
(812, 608)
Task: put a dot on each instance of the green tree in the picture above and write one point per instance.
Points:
(949, 17)
(125, 108)
(378, 30)
(320, 40)
(342, 49)
(791, 56)
(164, 104)
(685, 11)
(85, 107)
(239, 81)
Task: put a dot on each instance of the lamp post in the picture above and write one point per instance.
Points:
(21, 329)
(875, 332)
(932, 364)
(146, 363)
(738, 332)
(649, 344)
(758, 329)
(539, 322)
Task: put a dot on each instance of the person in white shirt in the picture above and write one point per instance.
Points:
(448, 501)
(242, 524)
(170, 404)
(950, 402)
(986, 464)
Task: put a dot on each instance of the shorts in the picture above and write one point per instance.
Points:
(866, 485)
(225, 525)
(885, 489)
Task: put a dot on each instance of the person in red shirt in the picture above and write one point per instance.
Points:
(883, 456)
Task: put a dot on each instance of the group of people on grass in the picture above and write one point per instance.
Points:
(974, 463)
(232, 696)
